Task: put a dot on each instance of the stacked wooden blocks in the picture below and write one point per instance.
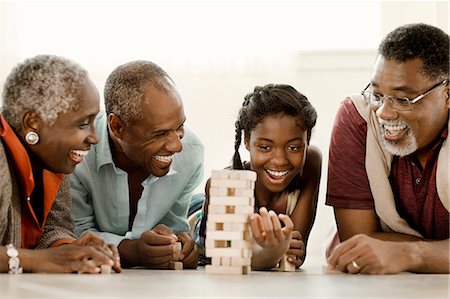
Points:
(228, 233)
(175, 264)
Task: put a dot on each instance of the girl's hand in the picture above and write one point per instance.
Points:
(268, 232)
(296, 249)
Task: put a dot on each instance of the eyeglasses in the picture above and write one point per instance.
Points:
(376, 100)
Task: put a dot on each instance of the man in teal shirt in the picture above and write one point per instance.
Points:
(134, 187)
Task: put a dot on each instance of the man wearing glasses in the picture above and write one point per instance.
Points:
(389, 160)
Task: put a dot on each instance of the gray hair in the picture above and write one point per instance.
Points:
(125, 87)
(45, 84)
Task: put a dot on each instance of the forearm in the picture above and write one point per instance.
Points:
(428, 256)
(393, 236)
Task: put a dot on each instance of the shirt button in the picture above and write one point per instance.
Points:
(418, 181)
(413, 164)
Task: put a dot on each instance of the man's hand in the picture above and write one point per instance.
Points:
(153, 250)
(189, 251)
(366, 255)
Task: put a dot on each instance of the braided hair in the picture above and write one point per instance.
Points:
(268, 100)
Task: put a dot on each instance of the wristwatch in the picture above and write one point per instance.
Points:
(14, 261)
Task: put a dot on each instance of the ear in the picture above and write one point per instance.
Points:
(447, 90)
(116, 126)
(31, 122)
(247, 143)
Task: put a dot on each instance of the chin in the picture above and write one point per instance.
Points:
(159, 172)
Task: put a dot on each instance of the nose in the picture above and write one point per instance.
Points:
(279, 157)
(173, 143)
(385, 111)
(92, 138)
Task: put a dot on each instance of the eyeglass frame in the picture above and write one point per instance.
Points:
(409, 101)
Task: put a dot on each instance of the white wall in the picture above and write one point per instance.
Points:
(217, 51)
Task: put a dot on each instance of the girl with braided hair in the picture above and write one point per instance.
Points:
(275, 125)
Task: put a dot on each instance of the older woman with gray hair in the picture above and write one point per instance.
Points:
(46, 128)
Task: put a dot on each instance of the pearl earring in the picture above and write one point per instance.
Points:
(32, 138)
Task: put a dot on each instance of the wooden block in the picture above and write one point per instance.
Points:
(225, 261)
(328, 270)
(227, 270)
(232, 200)
(236, 226)
(175, 265)
(229, 209)
(217, 243)
(228, 226)
(105, 269)
(244, 210)
(244, 192)
(228, 235)
(247, 175)
(220, 174)
(218, 191)
(244, 218)
(241, 261)
(286, 266)
(216, 209)
(237, 184)
(216, 261)
(176, 251)
(224, 235)
(241, 244)
(233, 252)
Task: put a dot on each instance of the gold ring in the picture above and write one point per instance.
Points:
(355, 264)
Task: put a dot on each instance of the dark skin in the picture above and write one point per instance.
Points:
(145, 149)
(279, 144)
(72, 130)
(363, 240)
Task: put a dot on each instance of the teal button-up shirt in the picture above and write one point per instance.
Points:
(100, 191)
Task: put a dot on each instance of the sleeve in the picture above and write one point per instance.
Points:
(83, 212)
(176, 218)
(59, 228)
(348, 185)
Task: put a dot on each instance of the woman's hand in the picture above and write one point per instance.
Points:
(86, 255)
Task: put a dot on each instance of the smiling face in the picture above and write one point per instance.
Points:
(62, 146)
(405, 132)
(277, 149)
(149, 144)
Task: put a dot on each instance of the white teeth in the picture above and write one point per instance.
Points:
(394, 128)
(277, 173)
(164, 159)
(80, 152)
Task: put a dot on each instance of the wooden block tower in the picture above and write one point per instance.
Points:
(228, 233)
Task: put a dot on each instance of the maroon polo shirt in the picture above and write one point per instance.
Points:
(414, 188)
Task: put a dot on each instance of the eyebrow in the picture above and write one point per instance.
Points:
(405, 89)
(150, 134)
(290, 140)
